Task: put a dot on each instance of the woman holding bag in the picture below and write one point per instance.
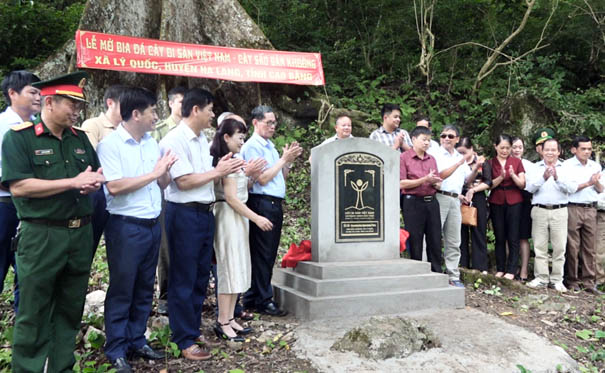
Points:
(474, 192)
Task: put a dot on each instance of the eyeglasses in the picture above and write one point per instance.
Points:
(449, 136)
(270, 123)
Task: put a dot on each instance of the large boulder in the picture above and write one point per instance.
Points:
(387, 337)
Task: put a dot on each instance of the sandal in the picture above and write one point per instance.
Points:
(220, 333)
(243, 331)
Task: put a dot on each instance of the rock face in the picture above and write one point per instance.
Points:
(387, 337)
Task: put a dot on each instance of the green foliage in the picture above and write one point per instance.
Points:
(32, 31)
(494, 290)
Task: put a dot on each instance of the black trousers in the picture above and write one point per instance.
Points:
(263, 250)
(478, 238)
(505, 219)
(423, 219)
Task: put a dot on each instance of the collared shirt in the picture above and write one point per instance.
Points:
(193, 154)
(257, 147)
(97, 128)
(413, 167)
(433, 148)
(507, 191)
(121, 157)
(35, 153)
(333, 138)
(8, 118)
(580, 174)
(551, 191)
(445, 160)
(162, 128)
(381, 135)
(529, 167)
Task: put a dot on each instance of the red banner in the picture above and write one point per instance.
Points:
(123, 53)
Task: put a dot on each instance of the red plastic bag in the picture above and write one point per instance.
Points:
(296, 254)
(403, 237)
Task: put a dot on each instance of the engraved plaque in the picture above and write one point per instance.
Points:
(359, 198)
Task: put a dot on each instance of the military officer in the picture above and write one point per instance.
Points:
(50, 169)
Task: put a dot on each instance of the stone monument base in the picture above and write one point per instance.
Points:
(364, 288)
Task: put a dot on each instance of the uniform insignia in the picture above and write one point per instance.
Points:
(39, 129)
(544, 134)
(79, 151)
(22, 126)
(82, 83)
(43, 152)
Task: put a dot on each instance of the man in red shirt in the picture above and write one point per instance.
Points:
(419, 181)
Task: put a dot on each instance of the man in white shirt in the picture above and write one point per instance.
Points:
(454, 171)
(426, 122)
(24, 103)
(551, 186)
(189, 219)
(343, 127)
(582, 220)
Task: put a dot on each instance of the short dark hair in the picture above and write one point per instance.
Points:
(17, 80)
(219, 147)
(178, 90)
(340, 117)
(503, 137)
(259, 112)
(135, 98)
(465, 142)
(420, 130)
(113, 93)
(388, 109)
(195, 97)
(578, 139)
(515, 138)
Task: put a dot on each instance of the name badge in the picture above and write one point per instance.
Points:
(44, 152)
(79, 151)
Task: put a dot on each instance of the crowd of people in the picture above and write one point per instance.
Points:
(163, 191)
(170, 201)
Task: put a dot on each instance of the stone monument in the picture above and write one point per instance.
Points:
(356, 268)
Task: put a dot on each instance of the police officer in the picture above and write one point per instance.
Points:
(51, 169)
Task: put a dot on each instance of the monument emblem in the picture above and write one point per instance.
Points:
(359, 198)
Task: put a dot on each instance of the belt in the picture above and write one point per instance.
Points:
(551, 207)
(455, 195)
(430, 198)
(72, 223)
(266, 197)
(586, 205)
(205, 207)
(6, 200)
(139, 221)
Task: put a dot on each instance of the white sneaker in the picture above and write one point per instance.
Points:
(536, 284)
(560, 287)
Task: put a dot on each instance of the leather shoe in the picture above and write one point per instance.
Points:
(149, 353)
(244, 331)
(272, 310)
(594, 291)
(121, 366)
(195, 352)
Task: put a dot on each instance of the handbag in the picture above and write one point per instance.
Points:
(469, 214)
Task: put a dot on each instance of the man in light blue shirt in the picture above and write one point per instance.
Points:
(24, 103)
(265, 199)
(135, 175)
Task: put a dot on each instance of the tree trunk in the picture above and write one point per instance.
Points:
(209, 22)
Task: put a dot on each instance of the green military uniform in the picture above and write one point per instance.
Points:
(54, 252)
(162, 128)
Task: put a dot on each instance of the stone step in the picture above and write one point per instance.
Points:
(307, 307)
(334, 270)
(357, 285)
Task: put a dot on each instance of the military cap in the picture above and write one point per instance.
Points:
(69, 85)
(542, 135)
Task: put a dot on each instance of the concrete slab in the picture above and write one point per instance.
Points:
(472, 341)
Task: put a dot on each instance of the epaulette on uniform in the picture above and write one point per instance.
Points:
(80, 129)
(21, 126)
